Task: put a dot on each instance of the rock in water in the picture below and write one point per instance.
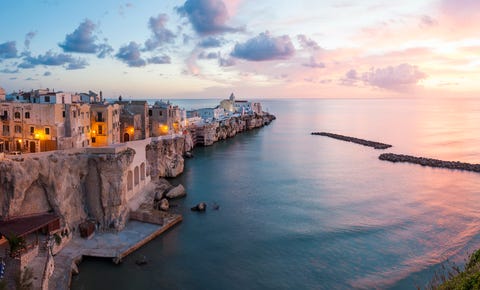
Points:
(176, 192)
(164, 205)
(199, 207)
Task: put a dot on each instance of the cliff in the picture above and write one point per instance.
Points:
(214, 132)
(81, 185)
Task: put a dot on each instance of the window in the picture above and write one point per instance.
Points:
(100, 129)
(27, 115)
(47, 99)
(74, 114)
(93, 139)
(136, 175)
(63, 114)
(32, 130)
(99, 117)
(47, 131)
(129, 180)
(17, 115)
(142, 171)
(150, 113)
(159, 113)
(6, 130)
(18, 129)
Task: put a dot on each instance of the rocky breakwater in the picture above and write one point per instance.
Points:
(211, 133)
(430, 162)
(376, 145)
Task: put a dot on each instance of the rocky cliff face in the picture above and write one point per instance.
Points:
(226, 129)
(166, 156)
(80, 186)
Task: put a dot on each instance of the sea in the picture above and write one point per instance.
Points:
(298, 211)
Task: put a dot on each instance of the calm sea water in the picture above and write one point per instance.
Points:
(308, 212)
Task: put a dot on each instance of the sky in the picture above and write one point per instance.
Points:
(256, 49)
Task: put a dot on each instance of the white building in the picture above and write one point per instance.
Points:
(211, 113)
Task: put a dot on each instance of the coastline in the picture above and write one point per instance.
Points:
(116, 206)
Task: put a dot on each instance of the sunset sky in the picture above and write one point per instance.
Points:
(261, 49)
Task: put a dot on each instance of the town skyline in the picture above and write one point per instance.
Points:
(208, 48)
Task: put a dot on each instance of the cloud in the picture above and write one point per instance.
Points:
(130, 54)
(164, 59)
(314, 64)
(463, 11)
(8, 50)
(83, 40)
(206, 16)
(104, 50)
(264, 47)
(307, 43)
(210, 55)
(396, 78)
(160, 34)
(210, 42)
(47, 73)
(9, 71)
(77, 64)
(28, 37)
(53, 59)
(351, 77)
(226, 62)
(426, 20)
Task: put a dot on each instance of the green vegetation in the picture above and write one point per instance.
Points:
(16, 243)
(461, 280)
(58, 239)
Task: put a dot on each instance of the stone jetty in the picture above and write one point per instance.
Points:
(430, 162)
(376, 145)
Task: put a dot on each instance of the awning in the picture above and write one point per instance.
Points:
(22, 226)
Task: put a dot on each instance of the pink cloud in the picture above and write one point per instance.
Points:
(396, 78)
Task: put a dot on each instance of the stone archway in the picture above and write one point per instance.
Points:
(126, 137)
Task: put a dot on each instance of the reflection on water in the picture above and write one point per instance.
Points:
(309, 212)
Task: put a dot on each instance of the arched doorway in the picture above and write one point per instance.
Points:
(126, 137)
